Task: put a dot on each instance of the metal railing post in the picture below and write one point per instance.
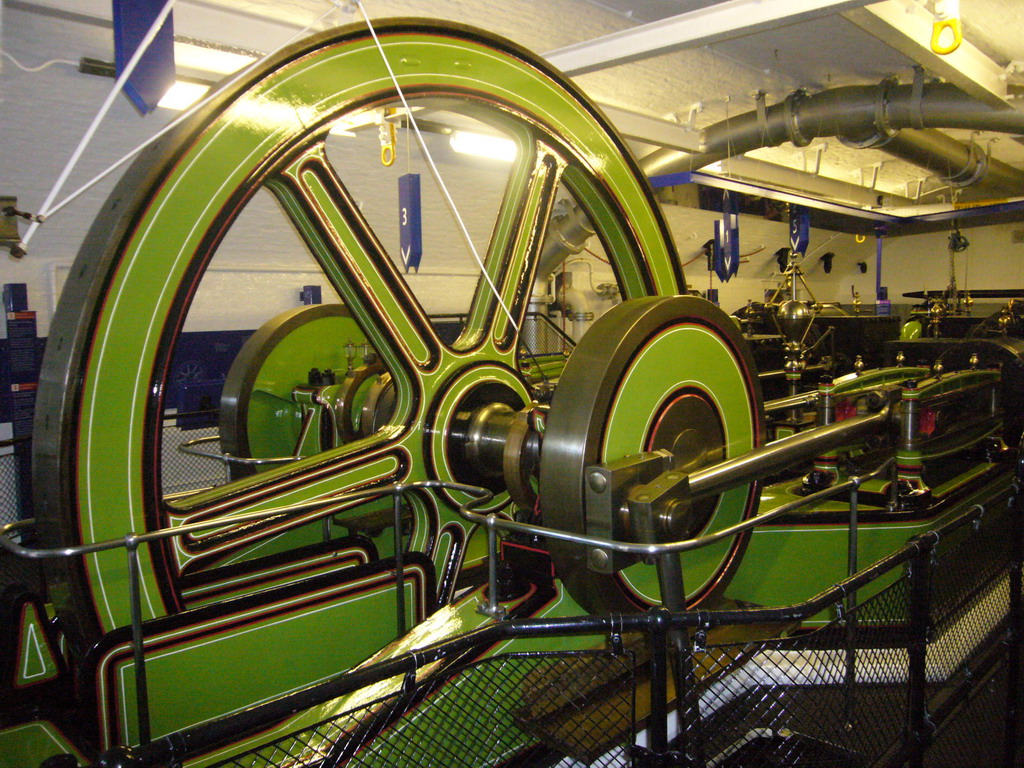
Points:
(1015, 620)
(657, 729)
(131, 544)
(396, 497)
(493, 609)
(850, 606)
(918, 731)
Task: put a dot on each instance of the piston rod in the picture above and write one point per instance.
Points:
(780, 454)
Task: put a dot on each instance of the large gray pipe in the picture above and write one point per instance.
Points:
(892, 117)
(962, 165)
(865, 116)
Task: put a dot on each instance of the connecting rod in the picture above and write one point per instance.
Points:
(782, 453)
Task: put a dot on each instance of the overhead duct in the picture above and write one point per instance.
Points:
(864, 116)
(960, 164)
(568, 234)
(892, 117)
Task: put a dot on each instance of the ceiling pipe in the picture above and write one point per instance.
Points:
(892, 117)
(864, 116)
(959, 164)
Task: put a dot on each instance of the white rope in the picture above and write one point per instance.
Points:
(38, 67)
(167, 128)
(433, 168)
(94, 126)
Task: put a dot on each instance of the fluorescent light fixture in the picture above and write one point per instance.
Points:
(484, 145)
(347, 125)
(208, 59)
(182, 95)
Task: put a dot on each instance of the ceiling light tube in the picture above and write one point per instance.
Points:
(182, 95)
(483, 145)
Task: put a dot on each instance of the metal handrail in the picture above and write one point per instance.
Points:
(131, 542)
(189, 447)
(181, 745)
(492, 522)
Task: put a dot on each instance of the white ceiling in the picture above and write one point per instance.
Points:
(659, 91)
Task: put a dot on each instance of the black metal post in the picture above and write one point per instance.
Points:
(1015, 620)
(918, 730)
(657, 728)
(673, 597)
(851, 608)
(141, 686)
(399, 564)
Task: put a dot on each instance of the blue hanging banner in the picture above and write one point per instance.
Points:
(799, 229)
(154, 73)
(727, 241)
(409, 221)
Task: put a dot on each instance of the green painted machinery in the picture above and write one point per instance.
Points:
(655, 431)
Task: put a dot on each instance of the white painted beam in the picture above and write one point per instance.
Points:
(907, 27)
(703, 26)
(652, 130)
(807, 183)
(192, 18)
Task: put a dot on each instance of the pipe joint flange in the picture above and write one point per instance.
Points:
(572, 231)
(884, 132)
(973, 171)
(789, 110)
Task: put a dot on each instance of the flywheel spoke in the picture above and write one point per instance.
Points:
(355, 261)
(318, 487)
(514, 248)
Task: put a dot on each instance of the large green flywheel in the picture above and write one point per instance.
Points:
(100, 405)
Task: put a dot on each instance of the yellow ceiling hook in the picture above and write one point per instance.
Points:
(859, 238)
(388, 139)
(947, 17)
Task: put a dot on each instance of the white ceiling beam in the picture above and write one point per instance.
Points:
(807, 183)
(703, 26)
(192, 18)
(907, 28)
(652, 130)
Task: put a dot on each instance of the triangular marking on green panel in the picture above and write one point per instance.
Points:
(35, 662)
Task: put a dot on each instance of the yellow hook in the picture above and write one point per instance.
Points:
(947, 16)
(387, 143)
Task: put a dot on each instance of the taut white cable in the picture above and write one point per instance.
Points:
(45, 211)
(433, 168)
(175, 122)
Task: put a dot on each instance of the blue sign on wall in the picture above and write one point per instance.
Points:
(727, 241)
(154, 73)
(409, 219)
(799, 228)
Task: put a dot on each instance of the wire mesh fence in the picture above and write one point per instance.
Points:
(10, 487)
(182, 472)
(917, 663)
(515, 707)
(541, 336)
(966, 737)
(834, 696)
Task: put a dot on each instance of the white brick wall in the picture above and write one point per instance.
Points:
(45, 113)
